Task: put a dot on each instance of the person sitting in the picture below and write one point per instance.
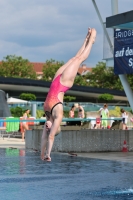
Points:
(98, 123)
(71, 112)
(63, 81)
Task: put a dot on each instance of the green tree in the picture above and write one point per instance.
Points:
(17, 111)
(130, 80)
(39, 113)
(80, 80)
(17, 67)
(105, 97)
(116, 112)
(103, 77)
(50, 68)
(27, 96)
(69, 98)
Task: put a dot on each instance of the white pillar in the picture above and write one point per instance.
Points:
(33, 110)
(123, 78)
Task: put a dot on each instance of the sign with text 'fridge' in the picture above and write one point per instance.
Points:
(123, 51)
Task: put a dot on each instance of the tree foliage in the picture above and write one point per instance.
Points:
(39, 113)
(80, 80)
(69, 98)
(50, 68)
(103, 77)
(17, 111)
(17, 67)
(106, 97)
(116, 112)
(27, 96)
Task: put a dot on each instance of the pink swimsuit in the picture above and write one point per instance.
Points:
(52, 97)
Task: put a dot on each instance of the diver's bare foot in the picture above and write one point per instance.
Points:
(89, 33)
(48, 159)
(88, 36)
(42, 157)
(86, 41)
(93, 35)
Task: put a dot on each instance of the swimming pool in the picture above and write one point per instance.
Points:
(23, 176)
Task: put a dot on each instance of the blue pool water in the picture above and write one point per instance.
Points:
(23, 176)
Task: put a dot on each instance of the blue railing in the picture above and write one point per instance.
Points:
(63, 120)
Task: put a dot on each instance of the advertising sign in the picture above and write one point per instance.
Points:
(123, 51)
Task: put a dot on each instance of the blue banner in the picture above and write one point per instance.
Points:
(123, 51)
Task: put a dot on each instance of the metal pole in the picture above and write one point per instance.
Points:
(33, 111)
(123, 78)
(104, 28)
(114, 6)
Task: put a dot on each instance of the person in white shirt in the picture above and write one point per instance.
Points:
(124, 119)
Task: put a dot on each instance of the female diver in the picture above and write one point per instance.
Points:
(63, 81)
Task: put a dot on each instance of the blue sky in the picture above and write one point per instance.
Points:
(39, 30)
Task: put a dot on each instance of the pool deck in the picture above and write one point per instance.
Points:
(116, 156)
(12, 142)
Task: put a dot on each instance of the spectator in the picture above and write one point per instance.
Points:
(124, 119)
(81, 112)
(71, 112)
(98, 123)
(24, 123)
(93, 122)
(104, 113)
(71, 115)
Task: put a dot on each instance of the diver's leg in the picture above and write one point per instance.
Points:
(44, 143)
(61, 69)
(53, 131)
(71, 70)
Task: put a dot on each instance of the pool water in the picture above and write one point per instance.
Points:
(24, 176)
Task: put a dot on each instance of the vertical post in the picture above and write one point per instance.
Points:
(4, 109)
(33, 110)
(114, 6)
(104, 28)
(123, 78)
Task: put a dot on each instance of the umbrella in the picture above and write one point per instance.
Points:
(12, 100)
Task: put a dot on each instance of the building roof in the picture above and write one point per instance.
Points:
(84, 71)
(37, 67)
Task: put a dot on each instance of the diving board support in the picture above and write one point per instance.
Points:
(123, 77)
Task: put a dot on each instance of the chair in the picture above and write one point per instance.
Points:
(2, 127)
